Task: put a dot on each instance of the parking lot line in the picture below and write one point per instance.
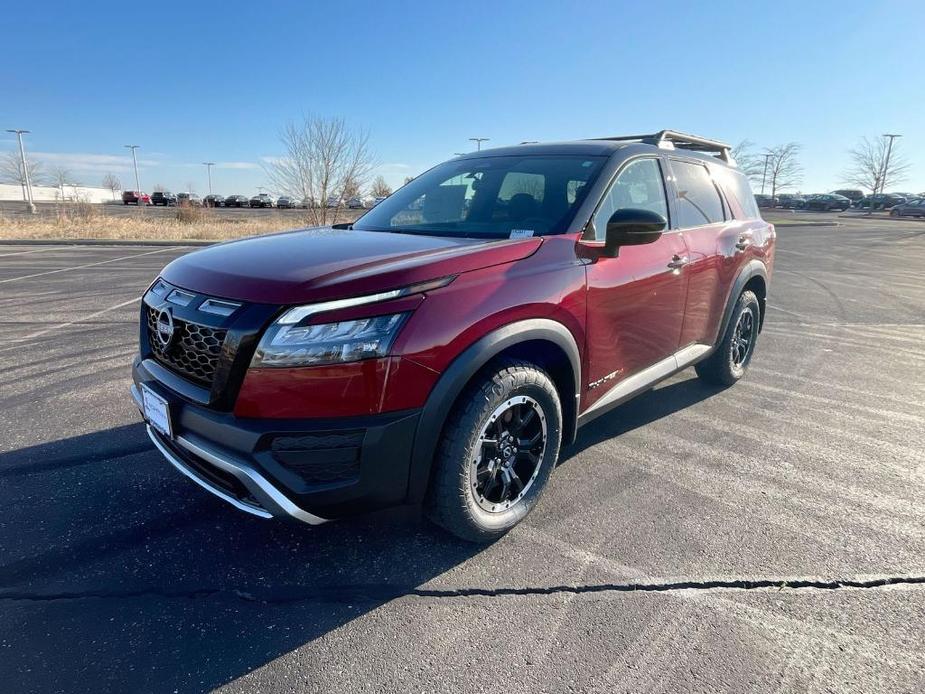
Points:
(81, 267)
(37, 250)
(82, 319)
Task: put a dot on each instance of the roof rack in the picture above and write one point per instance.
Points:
(672, 139)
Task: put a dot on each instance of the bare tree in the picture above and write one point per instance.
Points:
(869, 167)
(62, 176)
(322, 158)
(408, 180)
(11, 171)
(112, 182)
(749, 162)
(784, 170)
(380, 189)
(351, 189)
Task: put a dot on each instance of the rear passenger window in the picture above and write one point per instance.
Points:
(638, 186)
(698, 200)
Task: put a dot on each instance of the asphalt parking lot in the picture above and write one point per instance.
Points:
(767, 537)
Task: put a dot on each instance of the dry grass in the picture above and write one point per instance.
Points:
(85, 221)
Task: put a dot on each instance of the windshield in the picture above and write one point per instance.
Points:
(489, 197)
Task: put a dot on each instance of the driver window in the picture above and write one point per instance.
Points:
(639, 186)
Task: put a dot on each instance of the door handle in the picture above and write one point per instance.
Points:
(678, 261)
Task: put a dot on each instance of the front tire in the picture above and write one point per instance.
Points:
(733, 354)
(498, 448)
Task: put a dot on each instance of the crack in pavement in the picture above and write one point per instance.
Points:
(380, 593)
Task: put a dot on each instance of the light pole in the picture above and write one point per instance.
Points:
(141, 202)
(478, 142)
(886, 163)
(765, 174)
(209, 165)
(25, 170)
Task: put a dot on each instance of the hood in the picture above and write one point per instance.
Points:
(321, 264)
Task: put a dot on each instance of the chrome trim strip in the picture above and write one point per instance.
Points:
(219, 307)
(650, 376)
(266, 494)
(181, 466)
(180, 297)
(296, 314)
(273, 501)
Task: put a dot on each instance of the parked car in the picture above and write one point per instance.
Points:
(261, 200)
(791, 201)
(852, 194)
(308, 203)
(134, 197)
(911, 208)
(287, 203)
(880, 201)
(359, 202)
(237, 201)
(336, 372)
(163, 198)
(213, 200)
(333, 201)
(765, 201)
(827, 202)
(189, 200)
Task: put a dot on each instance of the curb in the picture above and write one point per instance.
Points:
(102, 242)
(789, 225)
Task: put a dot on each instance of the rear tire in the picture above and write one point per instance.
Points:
(732, 355)
(498, 448)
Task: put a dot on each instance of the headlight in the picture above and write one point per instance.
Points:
(328, 343)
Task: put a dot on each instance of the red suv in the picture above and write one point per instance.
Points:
(134, 197)
(445, 346)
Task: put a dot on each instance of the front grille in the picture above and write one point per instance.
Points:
(194, 351)
(323, 457)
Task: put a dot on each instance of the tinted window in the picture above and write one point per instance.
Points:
(639, 185)
(698, 200)
(489, 197)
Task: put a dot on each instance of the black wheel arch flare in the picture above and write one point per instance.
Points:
(466, 365)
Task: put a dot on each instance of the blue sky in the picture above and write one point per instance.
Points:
(193, 82)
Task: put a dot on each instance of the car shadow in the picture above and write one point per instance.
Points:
(664, 400)
(118, 574)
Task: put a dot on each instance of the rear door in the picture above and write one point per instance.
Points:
(636, 300)
(715, 243)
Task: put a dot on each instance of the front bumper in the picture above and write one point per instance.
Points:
(306, 470)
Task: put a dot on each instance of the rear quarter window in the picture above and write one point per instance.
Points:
(739, 193)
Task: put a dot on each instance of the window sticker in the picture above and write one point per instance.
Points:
(521, 233)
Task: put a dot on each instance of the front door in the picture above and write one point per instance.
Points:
(636, 300)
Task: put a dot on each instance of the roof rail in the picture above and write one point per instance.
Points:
(671, 139)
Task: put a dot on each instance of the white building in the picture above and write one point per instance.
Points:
(67, 193)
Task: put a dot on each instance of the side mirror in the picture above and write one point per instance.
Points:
(632, 227)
